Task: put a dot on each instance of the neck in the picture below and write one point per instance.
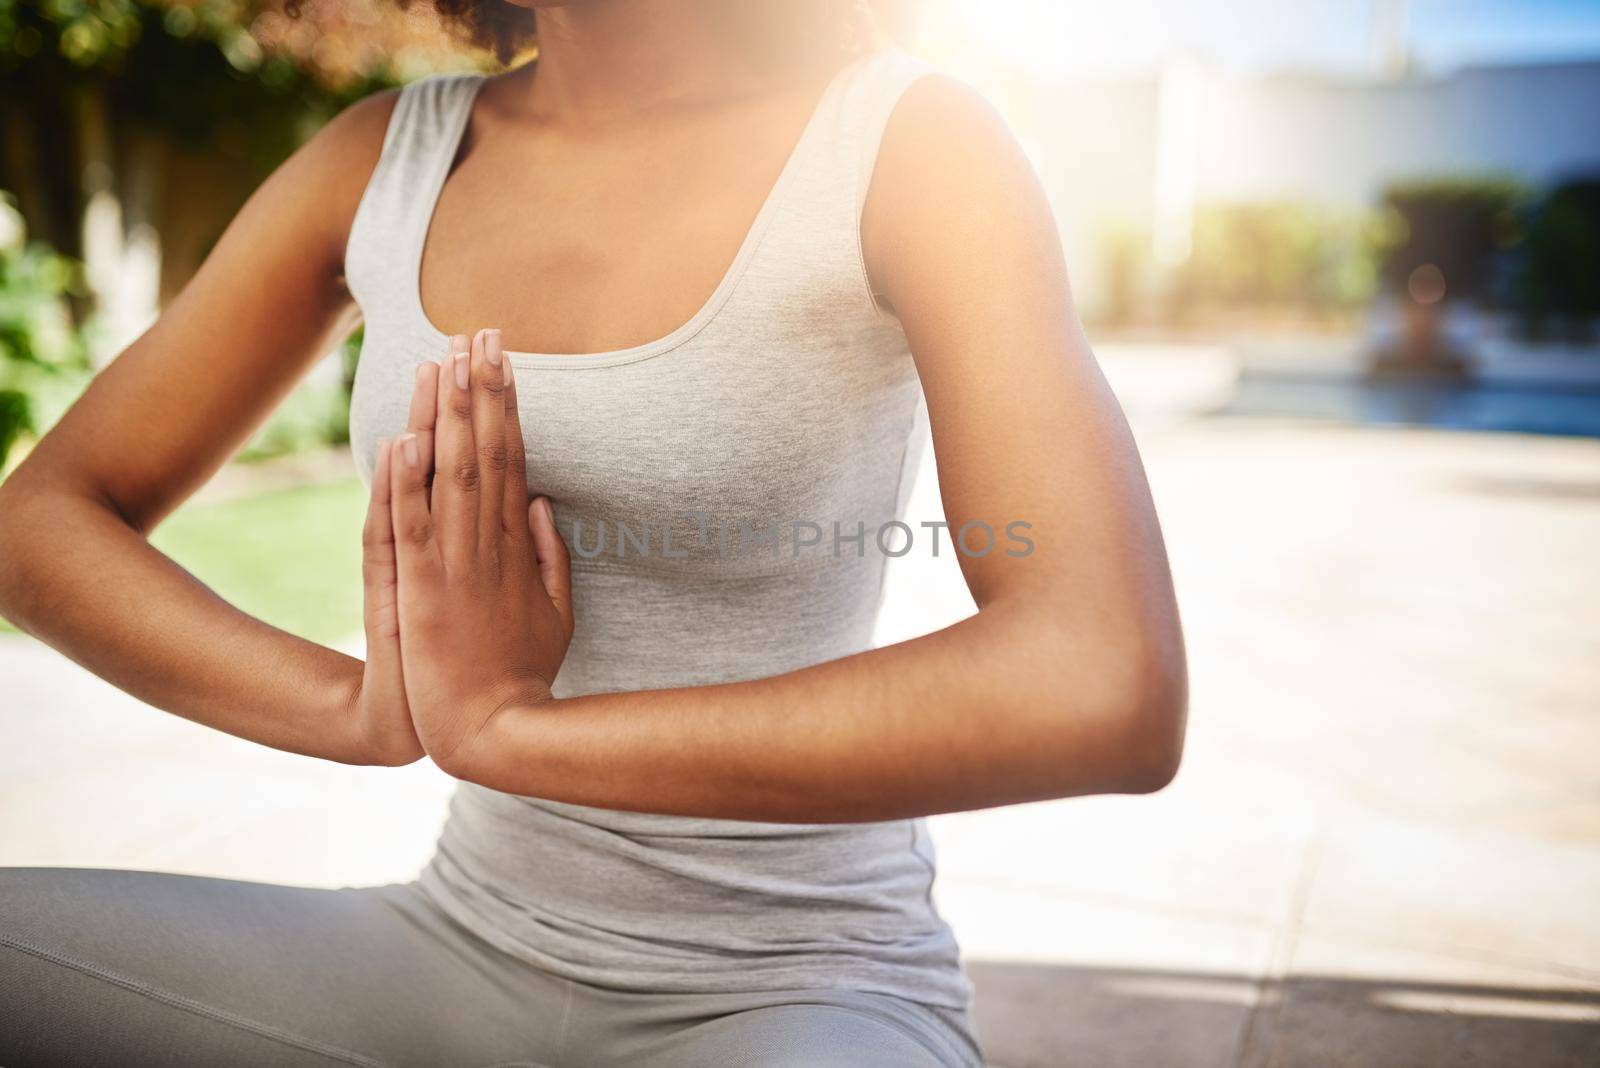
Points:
(607, 58)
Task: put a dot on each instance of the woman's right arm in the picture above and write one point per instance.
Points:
(76, 569)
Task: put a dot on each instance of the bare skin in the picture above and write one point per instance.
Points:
(1069, 680)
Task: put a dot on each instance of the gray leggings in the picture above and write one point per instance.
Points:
(133, 968)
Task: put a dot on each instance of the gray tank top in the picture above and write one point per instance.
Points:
(697, 479)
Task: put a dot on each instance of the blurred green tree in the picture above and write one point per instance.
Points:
(42, 354)
(1278, 258)
(1445, 240)
(1557, 285)
(1456, 226)
(173, 110)
(131, 131)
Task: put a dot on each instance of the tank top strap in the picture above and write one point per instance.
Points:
(386, 235)
(817, 223)
(870, 96)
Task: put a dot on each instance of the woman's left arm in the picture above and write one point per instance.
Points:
(1069, 680)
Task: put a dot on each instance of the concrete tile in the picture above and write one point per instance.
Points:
(1422, 772)
(1062, 980)
(1559, 746)
(1200, 849)
(118, 818)
(1318, 956)
(1576, 822)
(1491, 897)
(1348, 1003)
(229, 819)
(1047, 1016)
(354, 831)
(1001, 924)
(96, 778)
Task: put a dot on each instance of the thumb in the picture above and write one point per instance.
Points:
(378, 581)
(555, 567)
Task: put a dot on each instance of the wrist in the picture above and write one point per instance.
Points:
(389, 748)
(372, 736)
(482, 756)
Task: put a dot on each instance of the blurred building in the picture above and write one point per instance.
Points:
(1131, 159)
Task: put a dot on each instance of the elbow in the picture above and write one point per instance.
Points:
(13, 500)
(1119, 712)
(1151, 716)
(1155, 752)
(30, 522)
(14, 506)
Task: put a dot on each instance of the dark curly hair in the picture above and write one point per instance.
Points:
(505, 29)
(508, 30)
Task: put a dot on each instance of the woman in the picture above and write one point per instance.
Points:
(716, 284)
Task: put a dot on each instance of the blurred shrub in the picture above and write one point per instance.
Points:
(13, 420)
(1458, 226)
(101, 95)
(1285, 257)
(175, 110)
(44, 362)
(316, 413)
(1557, 285)
(333, 46)
(43, 358)
(1124, 250)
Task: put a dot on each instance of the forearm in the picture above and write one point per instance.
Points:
(113, 603)
(990, 711)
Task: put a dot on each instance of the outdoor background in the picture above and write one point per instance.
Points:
(1341, 260)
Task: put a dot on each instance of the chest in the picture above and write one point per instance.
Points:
(600, 240)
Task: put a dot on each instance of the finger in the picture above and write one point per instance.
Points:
(378, 558)
(424, 413)
(415, 532)
(379, 530)
(458, 343)
(555, 567)
(516, 491)
(455, 481)
(489, 434)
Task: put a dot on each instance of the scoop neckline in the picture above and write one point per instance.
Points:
(702, 318)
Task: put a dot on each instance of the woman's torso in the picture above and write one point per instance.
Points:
(698, 479)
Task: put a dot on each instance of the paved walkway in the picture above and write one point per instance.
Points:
(1383, 849)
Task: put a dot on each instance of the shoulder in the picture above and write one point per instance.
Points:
(944, 136)
(309, 202)
(942, 129)
(936, 103)
(346, 150)
(950, 178)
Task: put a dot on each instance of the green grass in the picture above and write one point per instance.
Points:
(291, 557)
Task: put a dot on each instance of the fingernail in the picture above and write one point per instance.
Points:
(544, 506)
(408, 448)
(463, 370)
(424, 368)
(491, 347)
